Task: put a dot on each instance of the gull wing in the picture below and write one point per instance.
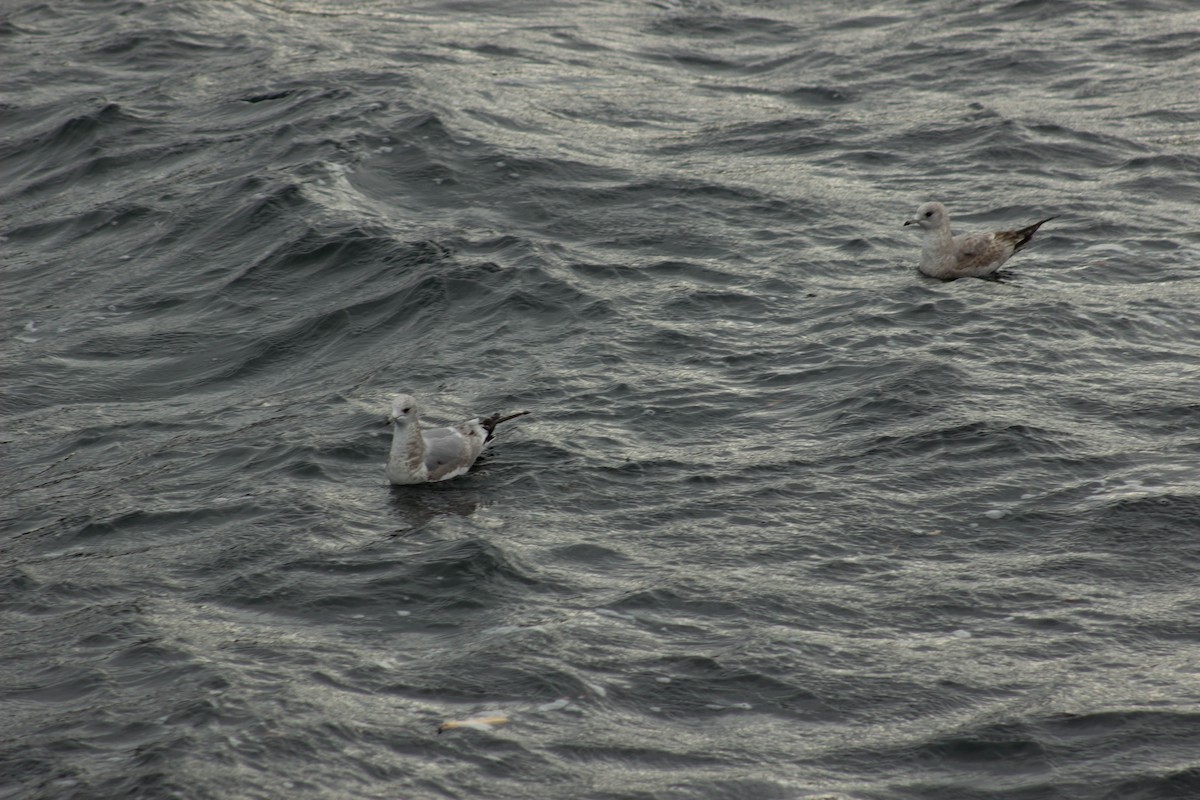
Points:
(983, 253)
(450, 452)
(980, 253)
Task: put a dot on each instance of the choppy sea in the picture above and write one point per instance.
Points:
(788, 521)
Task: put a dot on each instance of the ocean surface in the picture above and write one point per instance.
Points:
(787, 521)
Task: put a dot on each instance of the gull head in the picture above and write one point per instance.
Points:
(929, 216)
(404, 409)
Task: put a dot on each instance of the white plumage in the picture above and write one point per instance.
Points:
(435, 454)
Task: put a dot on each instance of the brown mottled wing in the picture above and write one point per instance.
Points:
(980, 253)
(983, 253)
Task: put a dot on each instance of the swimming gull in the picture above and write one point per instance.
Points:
(971, 255)
(435, 454)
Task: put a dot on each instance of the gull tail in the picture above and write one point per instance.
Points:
(1020, 238)
(489, 423)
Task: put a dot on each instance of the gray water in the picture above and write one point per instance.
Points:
(787, 520)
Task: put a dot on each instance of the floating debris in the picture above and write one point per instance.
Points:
(596, 689)
(555, 705)
(481, 723)
(608, 612)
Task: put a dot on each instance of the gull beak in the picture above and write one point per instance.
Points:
(909, 222)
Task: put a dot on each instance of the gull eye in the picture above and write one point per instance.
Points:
(406, 410)
(929, 213)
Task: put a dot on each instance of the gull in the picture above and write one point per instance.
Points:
(971, 255)
(435, 454)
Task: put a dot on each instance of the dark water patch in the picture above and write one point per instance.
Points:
(1011, 149)
(1023, 64)
(1166, 47)
(707, 64)
(544, 310)
(244, 117)
(669, 603)
(141, 528)
(646, 758)
(930, 61)
(719, 304)
(1177, 163)
(122, 520)
(468, 562)
(970, 442)
(990, 747)
(263, 97)
(1037, 10)
(698, 688)
(96, 227)
(960, 602)
(162, 48)
(576, 41)
(897, 393)
(512, 124)
(1169, 176)
(591, 555)
(1179, 783)
(808, 96)
(296, 271)
(492, 49)
(867, 22)
(611, 272)
(51, 20)
(1153, 533)
(668, 196)
(1166, 420)
(1043, 745)
(1170, 115)
(106, 180)
(431, 580)
(433, 167)
(675, 270)
(988, 144)
(1165, 186)
(78, 137)
(314, 256)
(819, 96)
(776, 137)
(59, 685)
(502, 665)
(726, 27)
(556, 179)
(1086, 146)
(868, 158)
(231, 237)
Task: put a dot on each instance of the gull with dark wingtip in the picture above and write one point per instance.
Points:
(969, 255)
(435, 454)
